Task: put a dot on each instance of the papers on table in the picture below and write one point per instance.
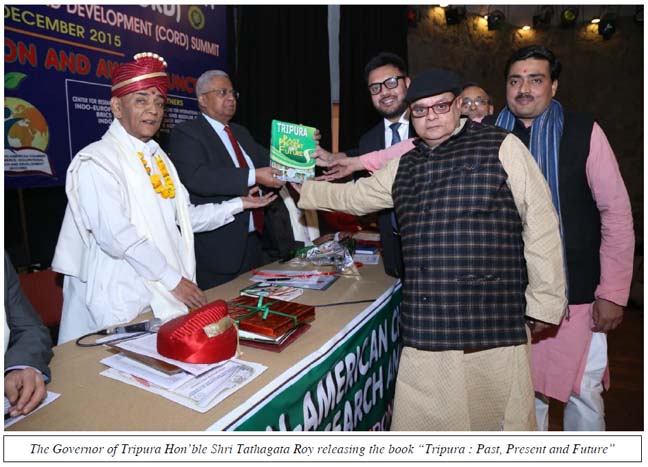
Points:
(272, 290)
(366, 236)
(316, 280)
(51, 397)
(139, 370)
(366, 259)
(147, 346)
(198, 386)
(366, 250)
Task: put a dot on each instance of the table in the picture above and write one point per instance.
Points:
(340, 374)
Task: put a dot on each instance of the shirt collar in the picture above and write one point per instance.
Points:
(462, 123)
(215, 124)
(403, 120)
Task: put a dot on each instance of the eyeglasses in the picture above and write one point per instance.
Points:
(467, 102)
(419, 111)
(389, 83)
(224, 92)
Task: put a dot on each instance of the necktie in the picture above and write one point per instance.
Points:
(395, 140)
(395, 135)
(257, 214)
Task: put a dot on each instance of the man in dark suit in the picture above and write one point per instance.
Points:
(387, 82)
(216, 161)
(28, 349)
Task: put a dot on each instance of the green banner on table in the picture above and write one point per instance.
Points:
(348, 385)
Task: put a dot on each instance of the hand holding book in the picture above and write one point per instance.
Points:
(292, 148)
(267, 176)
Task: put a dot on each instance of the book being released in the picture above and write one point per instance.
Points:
(291, 150)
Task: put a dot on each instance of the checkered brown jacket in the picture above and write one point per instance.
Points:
(465, 273)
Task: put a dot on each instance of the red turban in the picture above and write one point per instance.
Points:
(147, 70)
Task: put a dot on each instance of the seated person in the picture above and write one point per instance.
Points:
(28, 348)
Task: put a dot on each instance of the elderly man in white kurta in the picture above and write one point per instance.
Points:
(126, 244)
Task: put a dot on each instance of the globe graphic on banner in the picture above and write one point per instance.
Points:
(25, 126)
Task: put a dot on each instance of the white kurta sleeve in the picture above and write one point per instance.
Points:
(211, 216)
(103, 215)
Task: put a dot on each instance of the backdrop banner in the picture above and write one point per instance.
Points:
(58, 64)
(346, 385)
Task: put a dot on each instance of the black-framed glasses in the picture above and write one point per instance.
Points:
(389, 83)
(224, 92)
(419, 111)
(467, 102)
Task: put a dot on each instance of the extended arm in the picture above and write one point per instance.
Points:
(340, 166)
(367, 195)
(374, 161)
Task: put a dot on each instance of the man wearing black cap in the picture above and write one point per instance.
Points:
(482, 254)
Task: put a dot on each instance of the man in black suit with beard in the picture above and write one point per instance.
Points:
(387, 82)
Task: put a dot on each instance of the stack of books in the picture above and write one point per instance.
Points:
(273, 344)
(284, 322)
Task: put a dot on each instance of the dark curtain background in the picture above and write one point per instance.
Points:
(364, 32)
(278, 60)
(280, 65)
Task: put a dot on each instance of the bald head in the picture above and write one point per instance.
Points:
(475, 103)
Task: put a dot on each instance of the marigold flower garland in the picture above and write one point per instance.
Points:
(165, 190)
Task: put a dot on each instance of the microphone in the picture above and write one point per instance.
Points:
(151, 325)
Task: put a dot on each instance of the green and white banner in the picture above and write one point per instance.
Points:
(346, 385)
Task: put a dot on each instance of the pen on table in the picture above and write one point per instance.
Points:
(278, 279)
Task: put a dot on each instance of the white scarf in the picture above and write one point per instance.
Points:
(121, 161)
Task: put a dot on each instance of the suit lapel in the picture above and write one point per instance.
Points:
(381, 134)
(378, 136)
(212, 140)
(248, 144)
